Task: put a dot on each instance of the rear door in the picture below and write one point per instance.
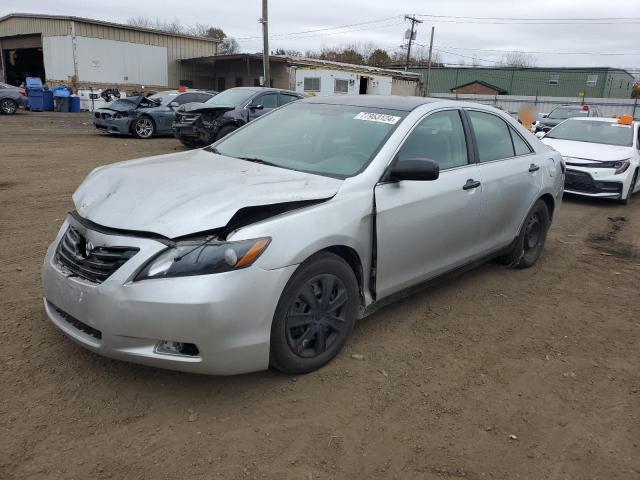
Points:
(511, 176)
(424, 228)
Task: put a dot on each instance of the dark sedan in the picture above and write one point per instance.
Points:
(144, 117)
(200, 124)
(11, 98)
(563, 112)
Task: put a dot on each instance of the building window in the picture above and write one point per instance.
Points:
(554, 79)
(312, 84)
(238, 81)
(221, 83)
(592, 80)
(341, 86)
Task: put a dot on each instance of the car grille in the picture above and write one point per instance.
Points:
(102, 115)
(95, 264)
(579, 182)
(77, 324)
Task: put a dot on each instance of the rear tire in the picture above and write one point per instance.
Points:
(143, 127)
(315, 315)
(8, 106)
(529, 245)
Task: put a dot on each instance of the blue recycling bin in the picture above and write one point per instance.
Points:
(47, 100)
(74, 104)
(62, 104)
(35, 94)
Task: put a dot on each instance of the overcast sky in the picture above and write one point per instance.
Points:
(456, 42)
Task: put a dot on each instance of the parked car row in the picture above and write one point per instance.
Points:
(196, 117)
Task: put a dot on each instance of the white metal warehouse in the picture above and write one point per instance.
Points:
(100, 54)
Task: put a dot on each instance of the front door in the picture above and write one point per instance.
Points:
(425, 228)
(268, 101)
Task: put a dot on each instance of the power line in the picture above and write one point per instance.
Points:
(339, 27)
(538, 52)
(531, 21)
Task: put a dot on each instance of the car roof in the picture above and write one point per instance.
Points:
(391, 102)
(265, 89)
(598, 119)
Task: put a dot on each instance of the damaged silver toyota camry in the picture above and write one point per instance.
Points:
(266, 247)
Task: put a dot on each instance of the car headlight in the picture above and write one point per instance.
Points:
(190, 258)
(120, 115)
(620, 166)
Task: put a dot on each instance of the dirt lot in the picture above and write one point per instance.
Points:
(499, 373)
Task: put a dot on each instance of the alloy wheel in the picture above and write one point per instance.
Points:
(7, 106)
(144, 127)
(316, 318)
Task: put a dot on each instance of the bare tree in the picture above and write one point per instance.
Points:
(173, 26)
(518, 59)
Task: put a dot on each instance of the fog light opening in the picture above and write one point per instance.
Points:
(167, 347)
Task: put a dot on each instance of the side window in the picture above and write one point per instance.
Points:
(492, 136)
(186, 98)
(521, 147)
(268, 100)
(202, 97)
(439, 137)
(286, 98)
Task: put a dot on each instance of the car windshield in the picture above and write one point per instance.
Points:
(332, 140)
(607, 133)
(562, 113)
(233, 96)
(163, 98)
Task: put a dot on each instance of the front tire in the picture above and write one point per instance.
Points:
(8, 106)
(143, 127)
(528, 246)
(224, 131)
(315, 315)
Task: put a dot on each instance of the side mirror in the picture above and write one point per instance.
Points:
(421, 169)
(256, 107)
(174, 105)
(545, 115)
(541, 135)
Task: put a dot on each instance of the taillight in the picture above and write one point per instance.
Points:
(23, 92)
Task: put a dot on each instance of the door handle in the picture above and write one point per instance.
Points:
(534, 168)
(471, 183)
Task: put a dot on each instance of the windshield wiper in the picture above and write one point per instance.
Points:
(258, 160)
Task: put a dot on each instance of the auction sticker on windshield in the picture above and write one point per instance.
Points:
(377, 117)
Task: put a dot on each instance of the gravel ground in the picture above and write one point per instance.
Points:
(505, 374)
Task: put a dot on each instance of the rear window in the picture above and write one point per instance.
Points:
(607, 133)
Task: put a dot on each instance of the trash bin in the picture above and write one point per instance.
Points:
(62, 104)
(74, 104)
(47, 100)
(35, 94)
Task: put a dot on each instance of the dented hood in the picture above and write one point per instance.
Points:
(179, 194)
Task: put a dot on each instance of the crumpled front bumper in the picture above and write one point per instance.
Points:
(117, 126)
(227, 316)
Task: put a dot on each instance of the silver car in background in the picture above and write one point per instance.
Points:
(264, 248)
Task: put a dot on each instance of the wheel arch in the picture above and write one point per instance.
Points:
(549, 201)
(349, 255)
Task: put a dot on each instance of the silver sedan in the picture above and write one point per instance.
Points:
(266, 247)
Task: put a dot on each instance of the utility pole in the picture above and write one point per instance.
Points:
(429, 67)
(265, 46)
(413, 21)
